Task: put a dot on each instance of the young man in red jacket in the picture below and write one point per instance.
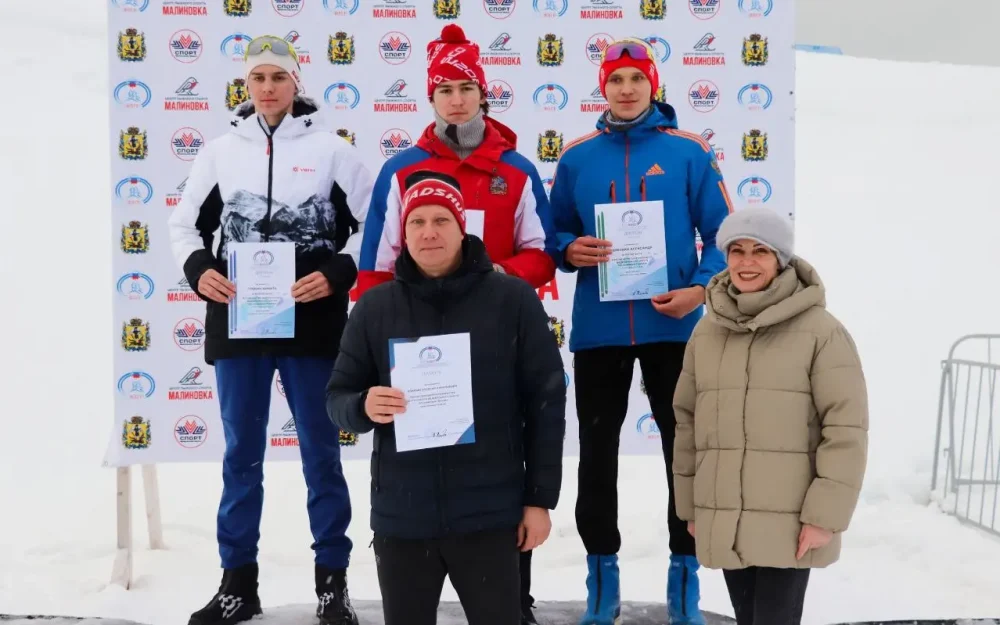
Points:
(506, 205)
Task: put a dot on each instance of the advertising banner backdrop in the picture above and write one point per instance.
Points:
(727, 67)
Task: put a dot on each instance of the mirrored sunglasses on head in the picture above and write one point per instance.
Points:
(269, 42)
(636, 50)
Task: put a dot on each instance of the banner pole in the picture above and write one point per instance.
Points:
(154, 520)
(121, 572)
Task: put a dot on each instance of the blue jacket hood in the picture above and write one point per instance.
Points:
(663, 116)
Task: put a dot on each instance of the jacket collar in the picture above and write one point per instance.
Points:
(475, 264)
(663, 116)
(497, 139)
(306, 117)
(792, 292)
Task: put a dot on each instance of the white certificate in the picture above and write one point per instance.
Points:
(263, 274)
(435, 375)
(475, 221)
(637, 268)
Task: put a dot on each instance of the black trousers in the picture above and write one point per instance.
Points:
(527, 601)
(766, 596)
(482, 567)
(602, 378)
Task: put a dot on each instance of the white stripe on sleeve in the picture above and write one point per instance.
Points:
(528, 231)
(391, 243)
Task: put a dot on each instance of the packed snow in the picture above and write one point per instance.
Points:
(894, 208)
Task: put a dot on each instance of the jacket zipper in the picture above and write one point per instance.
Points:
(270, 182)
(631, 307)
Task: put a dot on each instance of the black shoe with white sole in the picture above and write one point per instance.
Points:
(236, 601)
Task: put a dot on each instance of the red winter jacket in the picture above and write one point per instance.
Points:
(495, 179)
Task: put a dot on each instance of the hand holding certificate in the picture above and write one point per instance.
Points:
(383, 403)
(588, 251)
(435, 375)
(311, 288)
(263, 306)
(637, 268)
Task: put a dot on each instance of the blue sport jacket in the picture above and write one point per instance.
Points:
(651, 161)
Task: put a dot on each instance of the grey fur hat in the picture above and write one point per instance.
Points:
(762, 225)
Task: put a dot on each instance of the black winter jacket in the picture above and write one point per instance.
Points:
(519, 400)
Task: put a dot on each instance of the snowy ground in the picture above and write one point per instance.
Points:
(894, 208)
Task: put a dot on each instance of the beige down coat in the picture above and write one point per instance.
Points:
(772, 424)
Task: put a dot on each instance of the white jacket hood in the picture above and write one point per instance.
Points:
(302, 184)
(307, 117)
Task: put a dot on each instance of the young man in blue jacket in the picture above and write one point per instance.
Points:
(637, 153)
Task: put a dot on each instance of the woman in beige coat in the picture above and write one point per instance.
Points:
(772, 423)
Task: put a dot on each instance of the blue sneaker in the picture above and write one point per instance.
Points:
(604, 603)
(683, 592)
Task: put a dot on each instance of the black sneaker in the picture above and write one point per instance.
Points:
(334, 603)
(236, 601)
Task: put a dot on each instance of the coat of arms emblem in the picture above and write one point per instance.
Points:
(135, 238)
(347, 135)
(136, 433)
(236, 93)
(652, 9)
(549, 146)
(550, 51)
(754, 148)
(755, 53)
(340, 51)
(132, 45)
(132, 144)
(498, 186)
(447, 9)
(348, 439)
(135, 335)
(237, 8)
(557, 328)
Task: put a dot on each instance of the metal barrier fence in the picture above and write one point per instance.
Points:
(971, 449)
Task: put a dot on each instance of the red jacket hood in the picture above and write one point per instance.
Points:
(496, 140)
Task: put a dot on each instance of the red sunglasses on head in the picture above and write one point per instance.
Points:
(635, 50)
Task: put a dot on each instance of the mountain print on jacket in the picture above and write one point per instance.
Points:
(310, 225)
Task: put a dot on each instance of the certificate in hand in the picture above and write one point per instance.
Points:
(263, 274)
(637, 268)
(435, 375)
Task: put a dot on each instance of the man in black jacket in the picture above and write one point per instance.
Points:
(462, 510)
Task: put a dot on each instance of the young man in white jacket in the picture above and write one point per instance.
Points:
(280, 175)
